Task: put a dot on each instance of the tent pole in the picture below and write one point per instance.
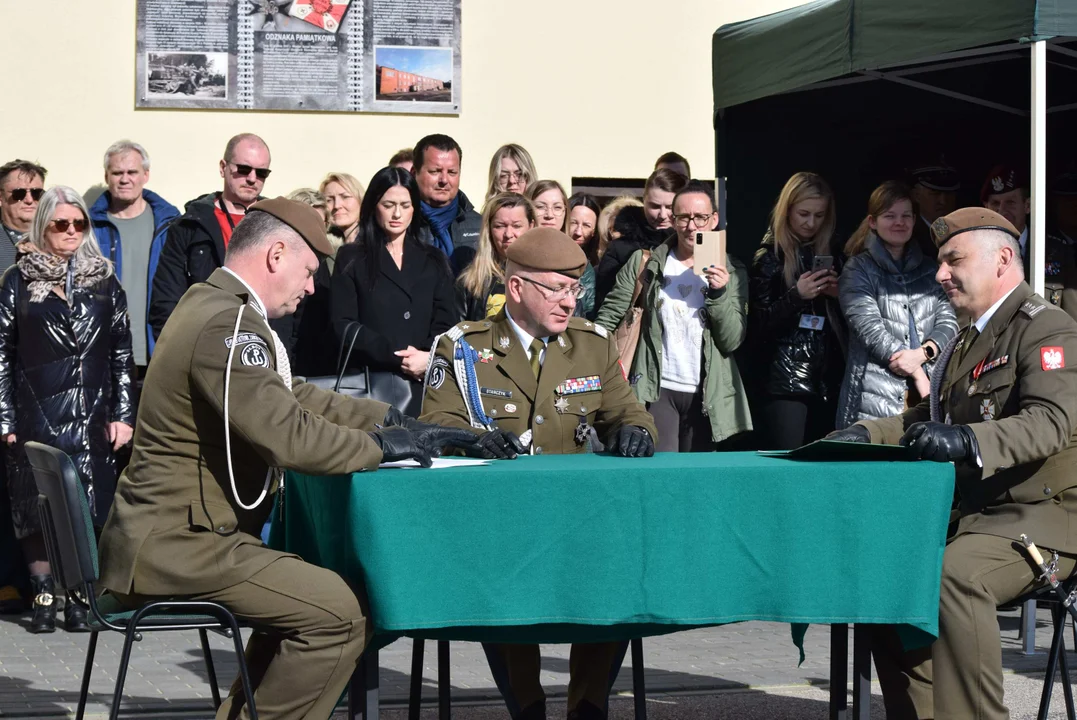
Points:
(1037, 237)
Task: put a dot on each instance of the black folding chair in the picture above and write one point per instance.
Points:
(72, 551)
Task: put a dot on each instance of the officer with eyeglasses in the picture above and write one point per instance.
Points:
(534, 379)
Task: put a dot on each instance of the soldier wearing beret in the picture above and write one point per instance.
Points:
(220, 418)
(535, 379)
(1003, 409)
(1005, 190)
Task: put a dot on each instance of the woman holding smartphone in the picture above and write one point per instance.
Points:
(795, 323)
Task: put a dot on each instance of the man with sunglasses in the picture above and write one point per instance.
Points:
(196, 241)
(22, 183)
(538, 380)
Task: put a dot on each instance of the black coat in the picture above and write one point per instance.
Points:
(65, 374)
(636, 234)
(788, 359)
(407, 306)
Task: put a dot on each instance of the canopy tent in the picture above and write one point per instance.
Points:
(859, 90)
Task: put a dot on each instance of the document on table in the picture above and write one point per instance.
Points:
(836, 450)
(440, 463)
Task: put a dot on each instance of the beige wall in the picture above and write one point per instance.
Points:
(590, 87)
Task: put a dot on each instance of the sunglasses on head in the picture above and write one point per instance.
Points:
(19, 194)
(62, 225)
(245, 170)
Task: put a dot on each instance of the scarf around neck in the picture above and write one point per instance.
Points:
(440, 219)
(43, 271)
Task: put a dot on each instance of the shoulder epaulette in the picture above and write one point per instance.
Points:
(578, 323)
(1032, 308)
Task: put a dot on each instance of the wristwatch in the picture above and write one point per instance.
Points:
(929, 352)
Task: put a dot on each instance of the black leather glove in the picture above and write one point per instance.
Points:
(496, 444)
(395, 418)
(400, 443)
(853, 433)
(941, 442)
(632, 441)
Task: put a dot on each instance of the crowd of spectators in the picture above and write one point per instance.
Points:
(815, 333)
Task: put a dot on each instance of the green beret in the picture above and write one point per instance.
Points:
(548, 250)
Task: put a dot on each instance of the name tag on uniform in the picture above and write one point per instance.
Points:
(496, 392)
(579, 385)
(812, 322)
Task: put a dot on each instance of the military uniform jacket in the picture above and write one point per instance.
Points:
(581, 383)
(1016, 389)
(175, 527)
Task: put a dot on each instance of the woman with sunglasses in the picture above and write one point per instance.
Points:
(66, 376)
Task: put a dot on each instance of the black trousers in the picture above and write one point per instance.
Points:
(790, 421)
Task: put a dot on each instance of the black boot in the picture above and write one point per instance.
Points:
(44, 590)
(534, 711)
(75, 617)
(586, 711)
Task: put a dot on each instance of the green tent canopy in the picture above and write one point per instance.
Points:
(860, 90)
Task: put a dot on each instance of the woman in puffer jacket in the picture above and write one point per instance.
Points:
(898, 315)
(66, 375)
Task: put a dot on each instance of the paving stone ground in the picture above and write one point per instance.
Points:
(737, 671)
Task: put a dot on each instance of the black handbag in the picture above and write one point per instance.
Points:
(387, 387)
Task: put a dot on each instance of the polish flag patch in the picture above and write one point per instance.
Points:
(1052, 358)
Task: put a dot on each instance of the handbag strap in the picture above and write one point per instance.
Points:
(637, 291)
(343, 358)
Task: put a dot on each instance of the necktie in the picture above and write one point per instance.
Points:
(970, 338)
(536, 356)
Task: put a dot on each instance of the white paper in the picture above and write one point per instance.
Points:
(440, 463)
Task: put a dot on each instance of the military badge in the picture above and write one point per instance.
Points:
(485, 355)
(1052, 358)
(437, 372)
(560, 340)
(510, 407)
(561, 405)
(987, 409)
(255, 355)
(579, 385)
(503, 343)
(940, 229)
(583, 432)
(243, 339)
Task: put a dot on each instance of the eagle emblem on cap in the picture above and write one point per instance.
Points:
(998, 184)
(940, 229)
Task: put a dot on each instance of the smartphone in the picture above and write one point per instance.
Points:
(710, 250)
(822, 262)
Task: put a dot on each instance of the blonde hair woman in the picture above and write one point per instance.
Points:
(480, 289)
(795, 324)
(511, 170)
(343, 197)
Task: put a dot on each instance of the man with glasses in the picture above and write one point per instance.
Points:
(22, 183)
(538, 380)
(196, 240)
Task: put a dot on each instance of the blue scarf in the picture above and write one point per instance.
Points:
(440, 218)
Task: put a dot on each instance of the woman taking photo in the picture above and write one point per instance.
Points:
(66, 376)
(397, 288)
(511, 170)
(794, 317)
(898, 315)
(692, 324)
(480, 290)
(343, 195)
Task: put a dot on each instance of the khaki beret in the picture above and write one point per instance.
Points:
(970, 218)
(548, 250)
(301, 217)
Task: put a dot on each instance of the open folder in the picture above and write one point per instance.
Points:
(836, 450)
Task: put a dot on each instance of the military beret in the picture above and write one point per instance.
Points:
(936, 175)
(970, 218)
(1002, 179)
(301, 217)
(548, 250)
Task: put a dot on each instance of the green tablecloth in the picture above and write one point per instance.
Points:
(588, 547)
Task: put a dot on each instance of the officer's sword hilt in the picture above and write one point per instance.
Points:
(1049, 572)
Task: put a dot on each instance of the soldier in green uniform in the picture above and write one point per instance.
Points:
(1003, 409)
(535, 379)
(219, 419)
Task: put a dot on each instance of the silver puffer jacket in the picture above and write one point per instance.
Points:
(878, 295)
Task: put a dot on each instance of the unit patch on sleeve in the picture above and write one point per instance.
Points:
(1052, 358)
(243, 339)
(437, 372)
(255, 355)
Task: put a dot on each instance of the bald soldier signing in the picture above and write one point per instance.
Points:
(219, 420)
(1003, 409)
(535, 379)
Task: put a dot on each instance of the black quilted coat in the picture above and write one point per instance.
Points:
(65, 374)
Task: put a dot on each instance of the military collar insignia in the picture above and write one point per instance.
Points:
(561, 341)
(561, 405)
(504, 342)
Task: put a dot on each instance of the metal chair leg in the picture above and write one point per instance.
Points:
(444, 682)
(839, 671)
(1052, 663)
(209, 668)
(85, 689)
(1027, 629)
(415, 700)
(1064, 671)
(121, 674)
(244, 676)
(639, 689)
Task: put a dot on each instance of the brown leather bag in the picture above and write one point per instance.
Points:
(626, 336)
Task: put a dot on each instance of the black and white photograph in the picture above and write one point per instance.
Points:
(192, 75)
